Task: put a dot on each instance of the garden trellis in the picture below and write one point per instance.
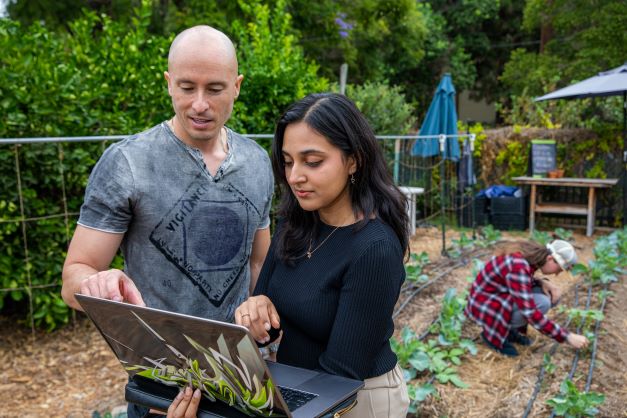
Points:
(420, 171)
(44, 180)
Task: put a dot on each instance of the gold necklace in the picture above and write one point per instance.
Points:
(310, 252)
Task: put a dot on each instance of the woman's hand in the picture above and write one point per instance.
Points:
(551, 291)
(258, 314)
(577, 341)
(185, 405)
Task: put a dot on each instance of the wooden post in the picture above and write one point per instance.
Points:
(532, 209)
(592, 206)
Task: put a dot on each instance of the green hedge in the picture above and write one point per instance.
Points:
(103, 77)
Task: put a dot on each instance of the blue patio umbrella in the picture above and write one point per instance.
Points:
(441, 118)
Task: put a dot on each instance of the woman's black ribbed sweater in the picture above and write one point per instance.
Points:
(336, 307)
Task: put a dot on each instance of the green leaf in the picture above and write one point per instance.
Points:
(422, 392)
(458, 382)
(469, 345)
(420, 361)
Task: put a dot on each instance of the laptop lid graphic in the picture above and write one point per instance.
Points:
(220, 358)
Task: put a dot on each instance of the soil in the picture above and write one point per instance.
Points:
(72, 372)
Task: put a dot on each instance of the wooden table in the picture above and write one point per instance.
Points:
(411, 193)
(588, 210)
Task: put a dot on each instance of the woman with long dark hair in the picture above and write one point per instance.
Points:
(335, 267)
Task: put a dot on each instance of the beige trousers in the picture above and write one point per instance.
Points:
(383, 396)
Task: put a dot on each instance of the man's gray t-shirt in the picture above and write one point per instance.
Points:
(188, 234)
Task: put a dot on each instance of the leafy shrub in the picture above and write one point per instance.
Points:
(275, 70)
(102, 77)
(384, 106)
(94, 79)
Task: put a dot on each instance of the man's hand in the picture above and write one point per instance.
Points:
(551, 291)
(113, 285)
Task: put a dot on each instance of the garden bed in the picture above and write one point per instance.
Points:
(72, 372)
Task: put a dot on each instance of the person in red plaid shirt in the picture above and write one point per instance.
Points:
(505, 296)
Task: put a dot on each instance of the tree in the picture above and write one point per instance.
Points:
(586, 37)
(275, 70)
(58, 13)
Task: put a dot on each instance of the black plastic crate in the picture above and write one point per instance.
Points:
(464, 211)
(508, 205)
(509, 221)
(482, 210)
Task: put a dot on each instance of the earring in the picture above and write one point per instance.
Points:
(352, 179)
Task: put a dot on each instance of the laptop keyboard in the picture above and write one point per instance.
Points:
(295, 398)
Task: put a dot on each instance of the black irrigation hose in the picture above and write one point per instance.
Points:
(573, 368)
(425, 285)
(596, 339)
(542, 371)
(427, 331)
(462, 262)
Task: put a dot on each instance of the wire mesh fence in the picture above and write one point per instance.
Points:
(44, 181)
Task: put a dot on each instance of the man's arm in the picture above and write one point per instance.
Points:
(261, 243)
(85, 269)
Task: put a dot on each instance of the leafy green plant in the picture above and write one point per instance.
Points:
(414, 269)
(417, 394)
(563, 234)
(583, 317)
(421, 259)
(571, 403)
(549, 366)
(463, 243)
(405, 349)
(541, 237)
(440, 361)
(490, 236)
(451, 317)
(603, 294)
(271, 58)
(384, 106)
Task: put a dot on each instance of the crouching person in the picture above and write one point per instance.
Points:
(505, 296)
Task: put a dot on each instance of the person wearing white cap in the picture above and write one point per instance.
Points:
(505, 296)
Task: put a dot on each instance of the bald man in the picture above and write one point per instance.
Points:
(187, 201)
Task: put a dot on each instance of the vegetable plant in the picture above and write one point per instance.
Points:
(451, 317)
(563, 234)
(541, 237)
(583, 317)
(571, 403)
(490, 236)
(417, 394)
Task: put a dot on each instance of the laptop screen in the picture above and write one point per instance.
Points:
(178, 350)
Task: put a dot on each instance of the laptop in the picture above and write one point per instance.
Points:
(164, 351)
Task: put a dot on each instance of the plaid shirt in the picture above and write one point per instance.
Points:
(504, 281)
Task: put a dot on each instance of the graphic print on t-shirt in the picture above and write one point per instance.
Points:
(205, 235)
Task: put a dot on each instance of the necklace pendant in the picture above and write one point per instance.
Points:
(308, 254)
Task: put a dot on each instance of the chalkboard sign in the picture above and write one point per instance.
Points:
(543, 157)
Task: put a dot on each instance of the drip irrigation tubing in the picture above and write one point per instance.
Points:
(464, 259)
(542, 371)
(425, 285)
(596, 339)
(573, 367)
(445, 265)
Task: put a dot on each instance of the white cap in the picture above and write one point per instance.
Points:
(563, 253)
